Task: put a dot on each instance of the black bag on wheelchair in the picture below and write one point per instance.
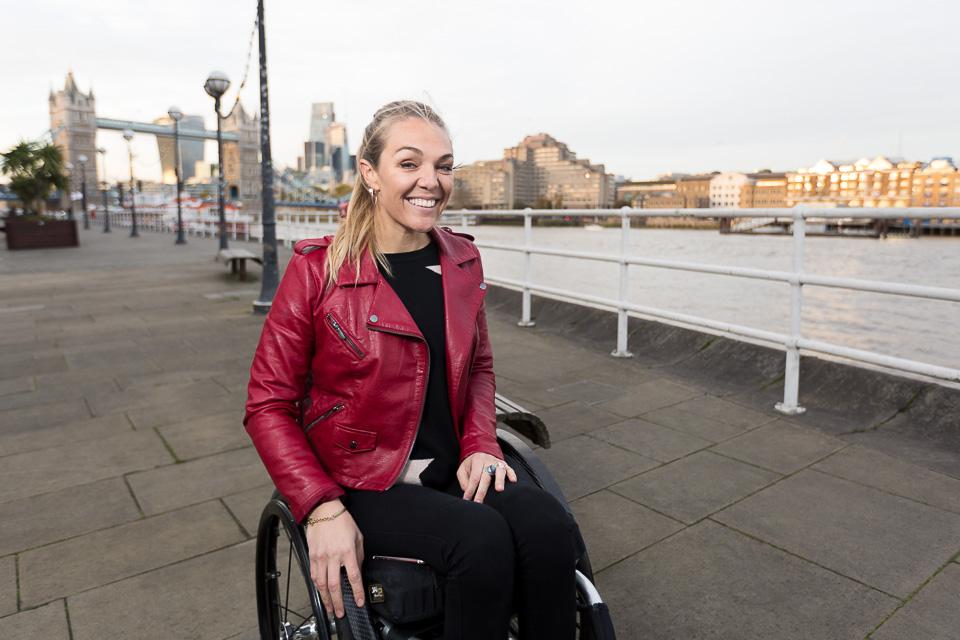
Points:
(402, 590)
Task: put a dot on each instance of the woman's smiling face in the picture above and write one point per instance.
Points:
(414, 178)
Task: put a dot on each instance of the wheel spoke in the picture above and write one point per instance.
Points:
(286, 598)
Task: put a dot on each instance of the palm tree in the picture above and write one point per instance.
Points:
(35, 169)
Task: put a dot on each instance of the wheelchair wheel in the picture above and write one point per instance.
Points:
(288, 605)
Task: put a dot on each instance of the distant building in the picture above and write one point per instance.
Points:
(695, 191)
(539, 172)
(936, 184)
(191, 151)
(326, 155)
(73, 123)
(321, 115)
(880, 182)
(650, 194)
(727, 190)
(764, 190)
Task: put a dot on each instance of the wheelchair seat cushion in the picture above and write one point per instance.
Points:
(402, 590)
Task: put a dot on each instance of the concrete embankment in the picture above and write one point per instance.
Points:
(917, 420)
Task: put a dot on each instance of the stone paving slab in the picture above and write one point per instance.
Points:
(888, 542)
(881, 471)
(60, 387)
(207, 435)
(692, 488)
(179, 485)
(651, 440)
(583, 465)
(710, 583)
(575, 418)
(648, 396)
(615, 528)
(932, 614)
(8, 586)
(158, 415)
(172, 394)
(211, 596)
(16, 385)
(247, 506)
(38, 520)
(730, 413)
(50, 621)
(20, 365)
(780, 447)
(36, 472)
(43, 415)
(693, 424)
(109, 555)
(18, 440)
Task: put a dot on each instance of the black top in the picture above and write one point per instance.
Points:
(416, 279)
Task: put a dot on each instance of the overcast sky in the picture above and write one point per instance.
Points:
(642, 87)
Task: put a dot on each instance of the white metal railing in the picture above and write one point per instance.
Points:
(796, 278)
(295, 226)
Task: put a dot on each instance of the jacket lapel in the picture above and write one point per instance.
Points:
(462, 297)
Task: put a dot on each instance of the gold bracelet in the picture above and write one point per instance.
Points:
(320, 519)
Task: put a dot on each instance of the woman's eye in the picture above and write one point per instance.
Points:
(408, 164)
(446, 168)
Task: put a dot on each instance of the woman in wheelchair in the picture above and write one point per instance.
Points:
(371, 403)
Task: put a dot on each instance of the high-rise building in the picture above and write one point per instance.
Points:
(326, 156)
(191, 151)
(539, 172)
(321, 115)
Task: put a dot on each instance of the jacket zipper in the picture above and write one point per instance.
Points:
(426, 382)
(337, 408)
(353, 346)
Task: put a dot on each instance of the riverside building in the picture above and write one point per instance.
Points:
(539, 172)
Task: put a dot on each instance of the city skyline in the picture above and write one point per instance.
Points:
(689, 87)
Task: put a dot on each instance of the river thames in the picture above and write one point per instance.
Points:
(923, 330)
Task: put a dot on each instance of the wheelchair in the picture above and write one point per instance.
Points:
(289, 607)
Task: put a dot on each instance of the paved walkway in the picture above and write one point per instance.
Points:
(129, 491)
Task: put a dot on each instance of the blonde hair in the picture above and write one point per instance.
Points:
(356, 233)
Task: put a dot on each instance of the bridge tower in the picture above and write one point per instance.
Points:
(73, 123)
(241, 161)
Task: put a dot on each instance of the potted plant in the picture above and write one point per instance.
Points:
(35, 169)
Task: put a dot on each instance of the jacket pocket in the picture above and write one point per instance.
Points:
(354, 440)
(337, 408)
(349, 342)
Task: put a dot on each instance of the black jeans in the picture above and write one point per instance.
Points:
(515, 552)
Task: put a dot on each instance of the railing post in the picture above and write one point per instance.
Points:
(791, 377)
(525, 320)
(463, 220)
(622, 318)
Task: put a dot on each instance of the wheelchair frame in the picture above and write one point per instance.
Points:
(273, 603)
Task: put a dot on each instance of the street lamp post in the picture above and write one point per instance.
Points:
(106, 186)
(176, 115)
(69, 167)
(83, 189)
(268, 285)
(216, 85)
(128, 136)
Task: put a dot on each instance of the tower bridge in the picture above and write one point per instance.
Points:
(74, 125)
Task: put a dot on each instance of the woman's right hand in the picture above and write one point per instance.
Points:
(333, 544)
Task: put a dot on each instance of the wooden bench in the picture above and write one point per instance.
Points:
(237, 258)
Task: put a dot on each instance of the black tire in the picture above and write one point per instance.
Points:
(288, 605)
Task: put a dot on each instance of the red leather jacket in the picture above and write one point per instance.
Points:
(339, 378)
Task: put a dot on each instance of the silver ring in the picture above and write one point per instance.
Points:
(491, 469)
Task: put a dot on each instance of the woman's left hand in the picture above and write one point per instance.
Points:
(475, 479)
